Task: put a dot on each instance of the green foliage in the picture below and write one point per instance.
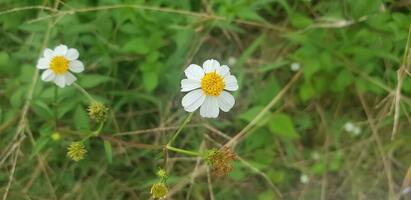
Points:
(282, 125)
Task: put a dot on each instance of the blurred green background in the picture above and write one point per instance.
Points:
(328, 137)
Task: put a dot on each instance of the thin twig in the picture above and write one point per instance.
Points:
(400, 78)
(130, 144)
(164, 10)
(210, 185)
(243, 133)
(160, 129)
(13, 169)
(377, 139)
(27, 8)
(198, 162)
(185, 122)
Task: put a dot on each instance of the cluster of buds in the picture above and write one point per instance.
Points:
(220, 160)
(160, 190)
(76, 151)
(97, 112)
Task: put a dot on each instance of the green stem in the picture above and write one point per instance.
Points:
(98, 129)
(187, 152)
(82, 90)
(180, 128)
(55, 107)
(94, 133)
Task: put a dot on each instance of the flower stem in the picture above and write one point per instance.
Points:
(82, 90)
(187, 152)
(180, 128)
(55, 107)
(94, 133)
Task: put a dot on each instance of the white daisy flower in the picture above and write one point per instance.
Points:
(295, 67)
(207, 87)
(304, 178)
(349, 127)
(58, 65)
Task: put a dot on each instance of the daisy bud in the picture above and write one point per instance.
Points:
(97, 112)
(159, 191)
(162, 174)
(220, 160)
(295, 67)
(304, 179)
(56, 136)
(76, 151)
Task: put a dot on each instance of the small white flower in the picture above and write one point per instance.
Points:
(232, 61)
(349, 127)
(356, 131)
(58, 63)
(207, 87)
(406, 191)
(315, 156)
(304, 179)
(352, 128)
(295, 67)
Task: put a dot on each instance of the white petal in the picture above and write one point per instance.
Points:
(196, 103)
(47, 75)
(76, 66)
(48, 53)
(189, 84)
(70, 78)
(72, 54)
(192, 100)
(224, 70)
(210, 107)
(230, 83)
(60, 50)
(225, 101)
(210, 65)
(60, 80)
(194, 72)
(43, 63)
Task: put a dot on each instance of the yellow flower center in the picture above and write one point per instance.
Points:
(159, 191)
(212, 84)
(59, 65)
(76, 151)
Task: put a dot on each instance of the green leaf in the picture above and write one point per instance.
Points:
(42, 110)
(16, 99)
(251, 113)
(109, 151)
(250, 50)
(282, 125)
(39, 145)
(91, 81)
(238, 173)
(136, 45)
(298, 20)
(310, 67)
(150, 81)
(306, 92)
(267, 195)
(272, 66)
(343, 80)
(5, 65)
(249, 14)
(81, 120)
